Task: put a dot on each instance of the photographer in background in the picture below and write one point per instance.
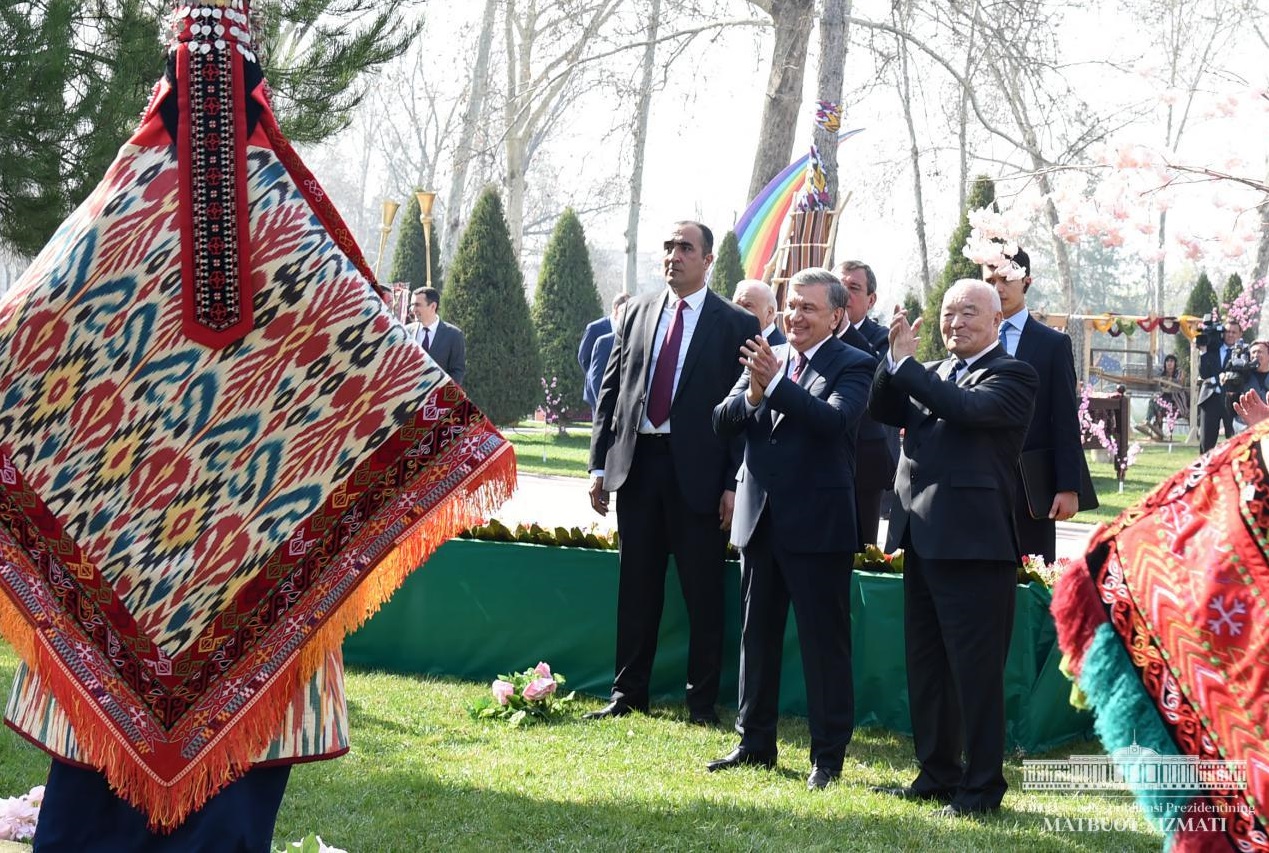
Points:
(1224, 368)
(1258, 377)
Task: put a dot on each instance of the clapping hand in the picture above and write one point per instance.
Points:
(903, 337)
(761, 362)
(1251, 408)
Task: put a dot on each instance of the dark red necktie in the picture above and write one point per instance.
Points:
(661, 393)
(798, 367)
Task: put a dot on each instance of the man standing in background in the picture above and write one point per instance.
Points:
(759, 299)
(595, 330)
(1053, 438)
(444, 342)
(877, 450)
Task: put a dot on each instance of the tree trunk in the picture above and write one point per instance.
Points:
(918, 197)
(1261, 268)
(630, 280)
(472, 116)
(792, 20)
(833, 30)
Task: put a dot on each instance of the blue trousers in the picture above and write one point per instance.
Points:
(81, 813)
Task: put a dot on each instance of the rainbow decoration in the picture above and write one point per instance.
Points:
(758, 229)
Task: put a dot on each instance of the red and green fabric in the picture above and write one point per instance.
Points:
(219, 451)
(1165, 628)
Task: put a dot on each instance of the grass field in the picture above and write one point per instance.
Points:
(423, 776)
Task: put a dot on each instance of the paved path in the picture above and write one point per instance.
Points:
(562, 501)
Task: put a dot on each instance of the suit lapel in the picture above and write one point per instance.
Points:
(649, 332)
(1025, 349)
(700, 336)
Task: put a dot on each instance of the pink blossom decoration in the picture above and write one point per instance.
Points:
(502, 691)
(543, 669)
(18, 815)
(539, 688)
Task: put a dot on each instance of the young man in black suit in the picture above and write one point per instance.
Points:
(653, 443)
(445, 343)
(797, 406)
(1054, 428)
(877, 448)
(964, 421)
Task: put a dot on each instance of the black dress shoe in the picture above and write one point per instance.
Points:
(709, 720)
(739, 758)
(955, 809)
(612, 709)
(913, 794)
(820, 778)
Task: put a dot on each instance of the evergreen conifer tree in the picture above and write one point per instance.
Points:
(728, 268)
(911, 305)
(484, 296)
(930, 347)
(407, 257)
(565, 301)
(1233, 290)
(1200, 303)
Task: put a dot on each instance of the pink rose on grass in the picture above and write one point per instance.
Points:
(539, 688)
(543, 669)
(503, 690)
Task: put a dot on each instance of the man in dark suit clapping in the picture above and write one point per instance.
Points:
(797, 406)
(653, 443)
(964, 422)
(1055, 430)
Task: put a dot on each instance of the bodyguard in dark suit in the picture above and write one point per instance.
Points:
(595, 330)
(444, 343)
(1054, 427)
(797, 406)
(877, 448)
(653, 443)
(964, 421)
(757, 297)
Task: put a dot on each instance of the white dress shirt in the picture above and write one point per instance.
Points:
(691, 316)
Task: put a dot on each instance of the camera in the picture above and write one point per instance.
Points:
(1212, 332)
(1237, 371)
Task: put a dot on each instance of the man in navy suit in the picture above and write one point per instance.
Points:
(1215, 405)
(964, 422)
(598, 359)
(595, 330)
(877, 448)
(653, 443)
(797, 406)
(1054, 428)
(757, 297)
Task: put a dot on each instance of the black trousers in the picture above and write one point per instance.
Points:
(1213, 413)
(654, 521)
(958, 618)
(80, 812)
(874, 475)
(819, 587)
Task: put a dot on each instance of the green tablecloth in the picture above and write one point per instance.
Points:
(480, 608)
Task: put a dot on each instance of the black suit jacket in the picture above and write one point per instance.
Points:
(1055, 424)
(776, 338)
(448, 348)
(705, 464)
(800, 451)
(876, 471)
(957, 478)
(1210, 366)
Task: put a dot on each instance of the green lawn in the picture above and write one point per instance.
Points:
(1154, 465)
(423, 775)
(567, 455)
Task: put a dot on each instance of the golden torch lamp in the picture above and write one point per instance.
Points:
(426, 199)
